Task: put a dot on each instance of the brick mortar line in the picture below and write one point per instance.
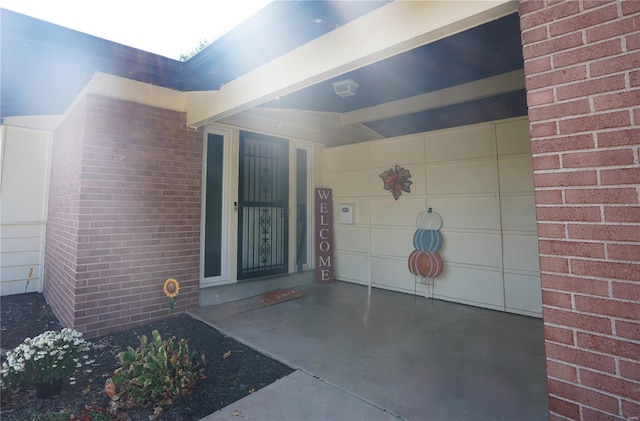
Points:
(596, 187)
(573, 365)
(594, 259)
(606, 316)
(581, 330)
(590, 114)
(590, 241)
(584, 405)
(591, 388)
(575, 275)
(562, 170)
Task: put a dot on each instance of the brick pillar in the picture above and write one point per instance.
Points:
(582, 62)
(63, 220)
(124, 215)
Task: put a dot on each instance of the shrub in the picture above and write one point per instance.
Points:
(157, 372)
(49, 356)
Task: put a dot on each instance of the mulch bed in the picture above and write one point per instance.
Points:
(228, 379)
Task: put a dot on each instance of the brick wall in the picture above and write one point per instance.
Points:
(582, 66)
(61, 242)
(138, 215)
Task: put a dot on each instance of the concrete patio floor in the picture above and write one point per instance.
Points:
(386, 357)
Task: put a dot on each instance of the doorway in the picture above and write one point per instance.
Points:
(263, 205)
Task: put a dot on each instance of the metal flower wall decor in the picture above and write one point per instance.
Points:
(397, 180)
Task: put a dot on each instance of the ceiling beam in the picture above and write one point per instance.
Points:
(387, 31)
(320, 127)
(483, 88)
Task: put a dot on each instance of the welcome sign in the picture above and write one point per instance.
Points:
(324, 235)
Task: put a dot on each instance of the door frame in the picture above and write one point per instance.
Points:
(294, 145)
(231, 135)
(224, 277)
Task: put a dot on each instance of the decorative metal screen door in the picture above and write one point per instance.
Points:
(263, 200)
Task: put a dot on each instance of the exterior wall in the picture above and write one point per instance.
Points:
(125, 215)
(583, 83)
(61, 242)
(478, 178)
(25, 156)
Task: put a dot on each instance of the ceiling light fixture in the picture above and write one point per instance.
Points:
(344, 88)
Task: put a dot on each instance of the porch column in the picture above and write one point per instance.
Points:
(124, 215)
(583, 93)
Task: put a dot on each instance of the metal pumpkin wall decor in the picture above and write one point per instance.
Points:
(424, 261)
(396, 180)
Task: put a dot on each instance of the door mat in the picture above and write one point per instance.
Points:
(279, 295)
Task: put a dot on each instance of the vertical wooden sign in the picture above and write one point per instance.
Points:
(324, 235)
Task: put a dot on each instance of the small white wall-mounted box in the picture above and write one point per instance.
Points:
(346, 213)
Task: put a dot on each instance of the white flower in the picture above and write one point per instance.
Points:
(47, 356)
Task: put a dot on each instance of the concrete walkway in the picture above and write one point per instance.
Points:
(386, 357)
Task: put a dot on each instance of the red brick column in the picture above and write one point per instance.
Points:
(63, 218)
(582, 67)
(125, 215)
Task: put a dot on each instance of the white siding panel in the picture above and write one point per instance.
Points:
(513, 137)
(24, 166)
(347, 158)
(518, 213)
(471, 248)
(467, 212)
(463, 284)
(392, 273)
(521, 252)
(24, 258)
(8, 245)
(15, 279)
(24, 175)
(516, 174)
(457, 144)
(522, 293)
(350, 238)
(400, 213)
(18, 287)
(348, 184)
(21, 273)
(402, 151)
(20, 230)
(351, 267)
(467, 177)
(392, 242)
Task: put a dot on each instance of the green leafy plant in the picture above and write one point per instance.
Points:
(49, 356)
(157, 372)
